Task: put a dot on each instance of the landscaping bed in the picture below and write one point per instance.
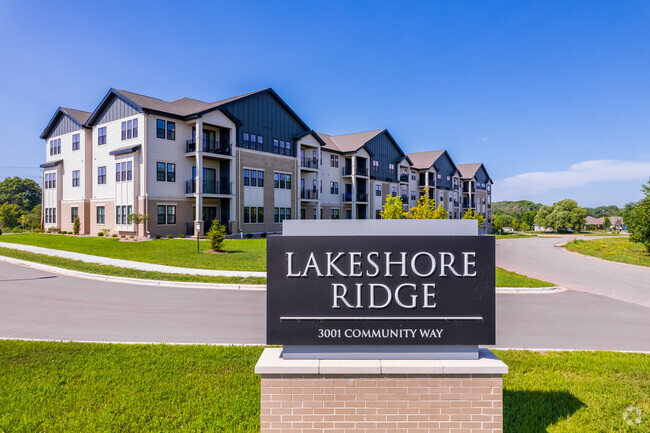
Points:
(614, 249)
(83, 387)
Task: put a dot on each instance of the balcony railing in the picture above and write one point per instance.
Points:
(469, 204)
(404, 198)
(360, 171)
(455, 203)
(362, 196)
(347, 197)
(467, 189)
(209, 146)
(209, 187)
(309, 162)
(403, 177)
(309, 194)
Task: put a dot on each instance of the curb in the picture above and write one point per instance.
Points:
(212, 286)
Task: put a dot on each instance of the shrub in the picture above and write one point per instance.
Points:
(158, 236)
(263, 235)
(131, 237)
(122, 236)
(216, 235)
(59, 231)
(249, 235)
(106, 232)
(76, 225)
(100, 234)
(181, 235)
(38, 231)
(114, 235)
(170, 236)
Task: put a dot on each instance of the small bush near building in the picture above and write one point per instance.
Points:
(76, 226)
(131, 237)
(114, 235)
(100, 234)
(170, 237)
(263, 235)
(249, 235)
(158, 236)
(181, 235)
(216, 235)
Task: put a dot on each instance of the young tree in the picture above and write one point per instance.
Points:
(471, 215)
(638, 223)
(76, 225)
(516, 223)
(137, 219)
(33, 218)
(393, 209)
(22, 192)
(607, 223)
(9, 214)
(497, 224)
(426, 209)
(216, 235)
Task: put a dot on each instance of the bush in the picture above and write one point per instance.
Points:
(122, 236)
(76, 225)
(100, 234)
(181, 235)
(263, 235)
(249, 235)
(38, 231)
(158, 236)
(114, 235)
(216, 235)
(106, 232)
(170, 236)
(131, 237)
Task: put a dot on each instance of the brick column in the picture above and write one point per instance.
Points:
(381, 395)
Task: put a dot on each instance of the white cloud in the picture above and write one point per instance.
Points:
(528, 185)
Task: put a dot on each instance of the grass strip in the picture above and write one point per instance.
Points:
(503, 278)
(78, 265)
(614, 249)
(85, 387)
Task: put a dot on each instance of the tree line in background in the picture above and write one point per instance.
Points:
(20, 204)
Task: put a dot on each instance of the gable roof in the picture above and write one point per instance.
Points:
(468, 171)
(79, 117)
(424, 160)
(591, 221)
(349, 142)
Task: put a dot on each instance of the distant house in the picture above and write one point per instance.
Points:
(595, 222)
(617, 222)
(508, 229)
(537, 228)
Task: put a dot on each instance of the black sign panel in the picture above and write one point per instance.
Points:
(380, 290)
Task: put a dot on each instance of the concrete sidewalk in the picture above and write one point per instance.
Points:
(141, 266)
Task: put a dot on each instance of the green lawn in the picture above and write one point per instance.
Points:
(243, 254)
(513, 236)
(512, 279)
(81, 387)
(614, 249)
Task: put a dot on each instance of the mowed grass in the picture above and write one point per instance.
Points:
(82, 387)
(513, 236)
(614, 249)
(243, 254)
(114, 271)
(512, 279)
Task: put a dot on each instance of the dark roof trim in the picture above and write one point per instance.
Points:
(313, 134)
(124, 150)
(50, 125)
(98, 110)
(51, 164)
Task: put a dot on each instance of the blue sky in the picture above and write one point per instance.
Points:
(552, 96)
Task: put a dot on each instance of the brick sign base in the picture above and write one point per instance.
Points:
(381, 395)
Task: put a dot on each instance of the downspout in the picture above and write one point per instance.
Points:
(43, 198)
(144, 174)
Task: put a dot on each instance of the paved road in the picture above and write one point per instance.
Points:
(39, 305)
(539, 258)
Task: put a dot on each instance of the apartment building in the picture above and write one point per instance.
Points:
(477, 192)
(248, 162)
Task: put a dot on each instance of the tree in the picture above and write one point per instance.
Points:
(426, 209)
(516, 223)
(638, 223)
(216, 235)
(9, 214)
(607, 223)
(33, 218)
(137, 219)
(562, 216)
(529, 218)
(76, 225)
(541, 219)
(497, 224)
(471, 215)
(645, 188)
(25, 193)
(393, 209)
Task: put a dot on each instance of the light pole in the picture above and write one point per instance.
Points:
(198, 232)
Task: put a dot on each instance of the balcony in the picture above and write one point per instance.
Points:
(360, 171)
(209, 146)
(404, 178)
(362, 196)
(404, 198)
(455, 203)
(467, 189)
(209, 187)
(309, 194)
(469, 204)
(347, 197)
(309, 163)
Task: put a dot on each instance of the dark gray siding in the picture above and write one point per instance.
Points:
(116, 109)
(385, 151)
(64, 125)
(262, 114)
(481, 177)
(445, 167)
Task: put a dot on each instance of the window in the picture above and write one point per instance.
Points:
(391, 169)
(276, 147)
(74, 213)
(282, 180)
(281, 213)
(171, 172)
(101, 214)
(253, 181)
(101, 175)
(50, 180)
(334, 188)
(135, 128)
(118, 172)
(260, 143)
(334, 160)
(118, 214)
(129, 170)
(378, 190)
(75, 177)
(413, 176)
(53, 215)
(375, 166)
(448, 178)
(160, 171)
(253, 215)
(245, 140)
(55, 146)
(123, 130)
(281, 147)
(129, 129)
(171, 131)
(393, 191)
(160, 128)
(260, 178)
(75, 142)
(101, 135)
(335, 214)
(413, 195)
(439, 176)
(166, 214)
(246, 177)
